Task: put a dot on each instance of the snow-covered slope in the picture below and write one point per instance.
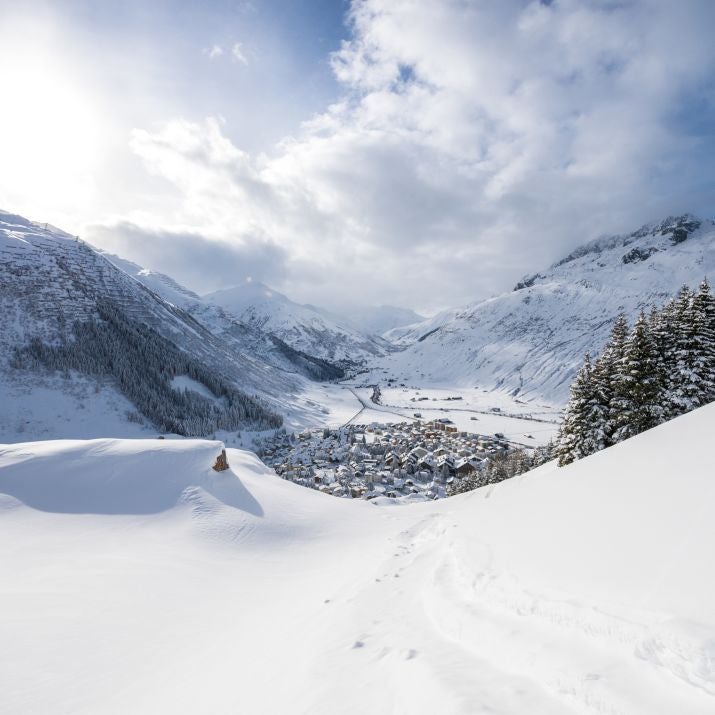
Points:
(144, 582)
(531, 340)
(303, 327)
(245, 338)
(49, 280)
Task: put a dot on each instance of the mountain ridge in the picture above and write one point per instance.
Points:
(51, 280)
(304, 328)
(532, 339)
(242, 336)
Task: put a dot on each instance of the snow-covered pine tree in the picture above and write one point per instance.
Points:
(597, 432)
(703, 358)
(522, 460)
(682, 389)
(663, 368)
(466, 484)
(638, 391)
(606, 376)
(544, 454)
(496, 470)
(662, 332)
(574, 439)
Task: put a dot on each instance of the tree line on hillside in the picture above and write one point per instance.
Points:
(313, 367)
(660, 368)
(143, 364)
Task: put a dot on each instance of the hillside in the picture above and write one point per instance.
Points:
(51, 281)
(531, 340)
(574, 590)
(245, 338)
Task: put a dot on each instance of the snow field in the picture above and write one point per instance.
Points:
(397, 407)
(145, 582)
(52, 407)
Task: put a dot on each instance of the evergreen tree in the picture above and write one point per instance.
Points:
(638, 390)
(466, 484)
(609, 374)
(576, 433)
(703, 357)
(596, 430)
(682, 387)
(542, 455)
(664, 367)
(662, 333)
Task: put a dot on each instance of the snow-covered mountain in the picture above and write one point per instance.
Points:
(49, 280)
(241, 336)
(144, 582)
(531, 340)
(303, 327)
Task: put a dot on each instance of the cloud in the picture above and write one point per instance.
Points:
(197, 262)
(469, 139)
(237, 53)
(213, 52)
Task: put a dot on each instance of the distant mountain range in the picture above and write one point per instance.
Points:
(49, 280)
(263, 344)
(303, 327)
(531, 340)
(528, 341)
(244, 337)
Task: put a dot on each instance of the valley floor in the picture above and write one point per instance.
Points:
(52, 407)
(478, 411)
(144, 582)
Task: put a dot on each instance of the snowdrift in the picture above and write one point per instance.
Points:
(112, 476)
(144, 582)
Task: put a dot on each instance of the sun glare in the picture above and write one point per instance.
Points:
(49, 131)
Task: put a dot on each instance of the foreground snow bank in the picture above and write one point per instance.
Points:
(144, 582)
(633, 523)
(112, 476)
(595, 579)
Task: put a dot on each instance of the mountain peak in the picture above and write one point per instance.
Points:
(303, 327)
(244, 294)
(676, 228)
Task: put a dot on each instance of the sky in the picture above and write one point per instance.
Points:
(422, 154)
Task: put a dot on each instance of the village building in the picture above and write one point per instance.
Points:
(415, 460)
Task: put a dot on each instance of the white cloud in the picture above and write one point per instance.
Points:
(238, 54)
(474, 142)
(214, 51)
(200, 263)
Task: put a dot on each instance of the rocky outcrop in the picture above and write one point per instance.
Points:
(639, 254)
(221, 463)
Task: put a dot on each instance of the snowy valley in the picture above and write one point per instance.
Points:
(159, 582)
(155, 584)
(357, 357)
(50, 280)
(515, 353)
